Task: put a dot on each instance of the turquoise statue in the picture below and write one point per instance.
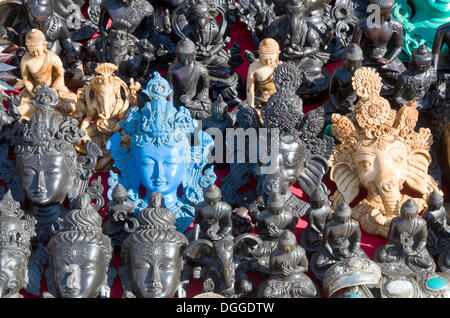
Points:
(420, 28)
(160, 156)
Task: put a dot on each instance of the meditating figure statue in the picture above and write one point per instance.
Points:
(260, 83)
(288, 262)
(406, 250)
(438, 240)
(190, 81)
(206, 27)
(342, 95)
(303, 43)
(341, 240)
(382, 44)
(212, 219)
(41, 65)
(318, 216)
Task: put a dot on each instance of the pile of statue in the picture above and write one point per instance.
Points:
(82, 93)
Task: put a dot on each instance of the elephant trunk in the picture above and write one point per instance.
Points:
(390, 196)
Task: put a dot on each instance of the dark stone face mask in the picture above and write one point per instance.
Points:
(79, 255)
(16, 231)
(153, 264)
(48, 165)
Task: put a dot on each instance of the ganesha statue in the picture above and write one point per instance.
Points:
(380, 151)
(102, 104)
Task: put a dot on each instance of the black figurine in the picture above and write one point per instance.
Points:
(190, 81)
(270, 223)
(216, 126)
(121, 212)
(131, 55)
(287, 265)
(302, 43)
(215, 264)
(137, 14)
(212, 220)
(8, 173)
(301, 147)
(418, 82)
(406, 250)
(318, 216)
(438, 230)
(209, 37)
(382, 44)
(152, 255)
(342, 95)
(341, 240)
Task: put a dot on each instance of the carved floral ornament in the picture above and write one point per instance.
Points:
(376, 123)
(386, 139)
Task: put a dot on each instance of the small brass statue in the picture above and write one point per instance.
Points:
(38, 66)
(260, 83)
(105, 100)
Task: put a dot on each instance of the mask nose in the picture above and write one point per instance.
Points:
(73, 281)
(155, 280)
(160, 173)
(40, 189)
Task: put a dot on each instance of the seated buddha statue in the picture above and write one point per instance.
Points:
(406, 250)
(38, 66)
(160, 157)
(288, 262)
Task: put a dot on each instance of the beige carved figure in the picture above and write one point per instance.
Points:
(102, 104)
(40, 65)
(380, 151)
(260, 84)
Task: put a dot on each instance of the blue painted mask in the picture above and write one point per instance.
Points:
(160, 156)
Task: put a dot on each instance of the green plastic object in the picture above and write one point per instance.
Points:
(327, 132)
(420, 27)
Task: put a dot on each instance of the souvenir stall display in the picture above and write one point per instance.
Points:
(142, 158)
